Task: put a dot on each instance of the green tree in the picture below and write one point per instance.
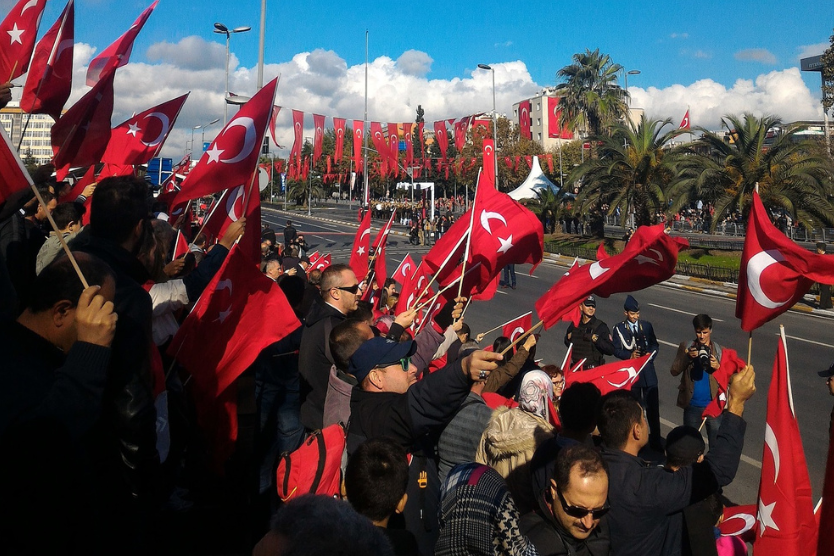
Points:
(791, 174)
(828, 77)
(633, 170)
(590, 99)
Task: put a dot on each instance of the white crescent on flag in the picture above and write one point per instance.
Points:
(755, 267)
(165, 121)
(249, 139)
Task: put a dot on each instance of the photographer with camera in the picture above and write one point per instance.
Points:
(696, 362)
(591, 339)
(635, 338)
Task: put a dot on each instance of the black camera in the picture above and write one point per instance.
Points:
(703, 357)
(641, 344)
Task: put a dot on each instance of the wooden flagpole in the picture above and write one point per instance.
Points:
(503, 325)
(469, 238)
(442, 266)
(58, 233)
(517, 340)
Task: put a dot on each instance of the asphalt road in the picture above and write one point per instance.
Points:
(670, 310)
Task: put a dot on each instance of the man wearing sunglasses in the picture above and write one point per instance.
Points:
(572, 500)
(340, 292)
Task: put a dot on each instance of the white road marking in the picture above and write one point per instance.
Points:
(804, 340)
(746, 459)
(678, 311)
(665, 343)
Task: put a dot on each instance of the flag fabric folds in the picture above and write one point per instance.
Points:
(441, 138)
(361, 246)
(49, 81)
(318, 136)
(775, 272)
(231, 206)
(358, 139)
(17, 38)
(517, 326)
(617, 375)
(731, 364)
(117, 54)
(13, 174)
(140, 138)
(273, 124)
(685, 121)
(339, 148)
(405, 270)
(488, 173)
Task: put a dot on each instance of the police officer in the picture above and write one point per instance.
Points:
(591, 339)
(634, 338)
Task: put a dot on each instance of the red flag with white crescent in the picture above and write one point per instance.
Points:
(786, 522)
(361, 247)
(338, 150)
(685, 121)
(775, 272)
(441, 138)
(409, 145)
(461, 127)
(17, 38)
(117, 54)
(318, 136)
(518, 326)
(730, 364)
(739, 521)
(49, 81)
(322, 263)
(524, 119)
(298, 132)
(405, 270)
(358, 140)
(393, 149)
(231, 206)
(617, 375)
(232, 157)
(488, 173)
(273, 124)
(140, 138)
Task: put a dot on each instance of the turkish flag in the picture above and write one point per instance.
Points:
(649, 258)
(488, 174)
(180, 246)
(140, 138)
(80, 137)
(775, 272)
(231, 206)
(298, 132)
(361, 245)
(405, 270)
(601, 253)
(273, 124)
(85, 180)
(447, 252)
(441, 138)
(731, 364)
(339, 128)
(518, 326)
(461, 127)
(322, 263)
(685, 121)
(358, 139)
(17, 38)
(382, 149)
(409, 145)
(393, 149)
(411, 290)
(110, 170)
(13, 174)
(232, 157)
(554, 114)
(49, 81)
(617, 375)
(739, 521)
(524, 119)
(117, 54)
(382, 236)
(380, 270)
(318, 136)
(223, 335)
(786, 522)
(477, 283)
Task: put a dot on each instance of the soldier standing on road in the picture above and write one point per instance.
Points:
(290, 234)
(591, 339)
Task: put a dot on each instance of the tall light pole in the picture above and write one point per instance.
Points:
(203, 132)
(223, 30)
(626, 74)
(192, 138)
(494, 122)
(310, 181)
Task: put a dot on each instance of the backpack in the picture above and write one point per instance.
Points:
(315, 467)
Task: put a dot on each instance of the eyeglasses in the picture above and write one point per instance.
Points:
(579, 513)
(405, 363)
(352, 289)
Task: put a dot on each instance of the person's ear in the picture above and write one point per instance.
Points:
(553, 488)
(401, 504)
(61, 313)
(375, 378)
(636, 432)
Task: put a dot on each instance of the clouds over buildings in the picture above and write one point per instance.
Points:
(760, 55)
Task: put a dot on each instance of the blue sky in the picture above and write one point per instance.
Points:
(716, 58)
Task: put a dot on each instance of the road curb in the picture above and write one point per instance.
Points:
(332, 220)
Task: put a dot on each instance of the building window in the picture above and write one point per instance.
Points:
(540, 136)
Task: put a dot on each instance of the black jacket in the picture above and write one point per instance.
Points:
(584, 348)
(646, 501)
(314, 362)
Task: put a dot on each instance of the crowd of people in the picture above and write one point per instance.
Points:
(450, 448)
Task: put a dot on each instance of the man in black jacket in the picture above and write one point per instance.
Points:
(340, 292)
(646, 501)
(571, 491)
(591, 339)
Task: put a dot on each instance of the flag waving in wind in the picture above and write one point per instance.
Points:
(140, 138)
(117, 54)
(685, 121)
(17, 38)
(361, 246)
(49, 81)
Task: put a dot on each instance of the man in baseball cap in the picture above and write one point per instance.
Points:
(383, 365)
(828, 374)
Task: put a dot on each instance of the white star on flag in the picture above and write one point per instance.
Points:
(214, 154)
(15, 34)
(361, 250)
(506, 244)
(765, 517)
(134, 128)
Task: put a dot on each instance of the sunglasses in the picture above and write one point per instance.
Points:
(579, 513)
(405, 363)
(351, 289)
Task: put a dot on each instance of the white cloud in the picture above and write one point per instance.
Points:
(505, 44)
(701, 55)
(679, 36)
(761, 55)
(780, 93)
(189, 53)
(807, 50)
(415, 62)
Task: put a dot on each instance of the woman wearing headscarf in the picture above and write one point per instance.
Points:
(512, 436)
(478, 515)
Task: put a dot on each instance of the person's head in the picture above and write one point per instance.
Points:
(821, 247)
(464, 333)
(293, 252)
(557, 377)
(55, 293)
(289, 223)
(631, 309)
(500, 344)
(828, 375)
(119, 211)
(165, 235)
(340, 288)
(579, 490)
(67, 217)
(293, 288)
(578, 409)
(383, 365)
(315, 278)
(684, 446)
(535, 391)
(345, 339)
(312, 525)
(622, 422)
(41, 210)
(200, 241)
(703, 329)
(376, 479)
(364, 311)
(588, 308)
(273, 269)
(390, 285)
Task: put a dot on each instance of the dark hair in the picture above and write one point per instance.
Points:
(588, 460)
(331, 277)
(702, 322)
(578, 407)
(200, 240)
(376, 478)
(117, 206)
(364, 311)
(464, 329)
(314, 277)
(31, 207)
(500, 344)
(683, 446)
(618, 414)
(59, 282)
(345, 339)
(293, 288)
(66, 213)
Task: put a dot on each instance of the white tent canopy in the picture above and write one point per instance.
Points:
(535, 182)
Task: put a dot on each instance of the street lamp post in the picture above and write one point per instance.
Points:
(310, 181)
(494, 122)
(223, 30)
(192, 138)
(626, 74)
(203, 132)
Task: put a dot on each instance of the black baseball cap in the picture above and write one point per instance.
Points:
(829, 372)
(378, 352)
(590, 302)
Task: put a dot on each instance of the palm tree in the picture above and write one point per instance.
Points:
(298, 191)
(634, 170)
(555, 202)
(791, 174)
(590, 97)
